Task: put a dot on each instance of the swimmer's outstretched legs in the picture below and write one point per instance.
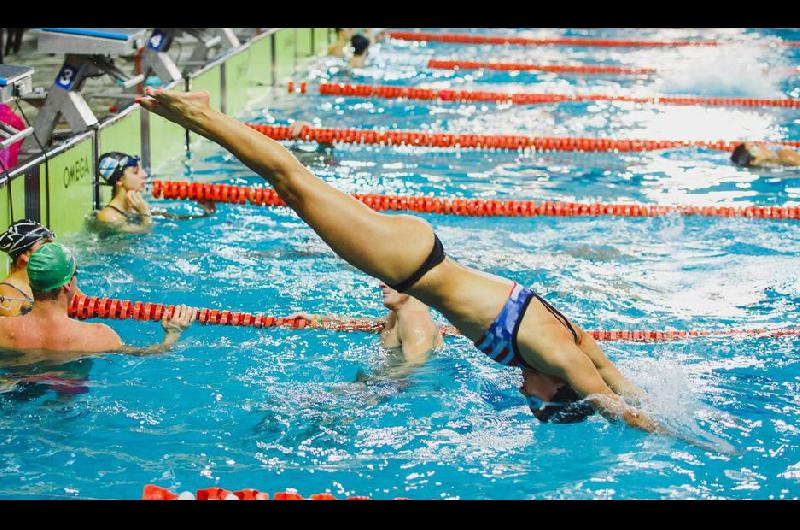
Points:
(388, 247)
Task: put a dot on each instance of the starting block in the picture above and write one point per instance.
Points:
(87, 53)
(15, 82)
(156, 59)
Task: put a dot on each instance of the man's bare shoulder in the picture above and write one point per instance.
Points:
(95, 336)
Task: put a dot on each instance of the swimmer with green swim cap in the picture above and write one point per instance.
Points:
(47, 333)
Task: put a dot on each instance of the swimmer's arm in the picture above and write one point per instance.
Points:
(331, 321)
(610, 373)
(416, 342)
(788, 157)
(173, 327)
(578, 371)
(209, 208)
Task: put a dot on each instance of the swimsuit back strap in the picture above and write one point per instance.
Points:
(20, 291)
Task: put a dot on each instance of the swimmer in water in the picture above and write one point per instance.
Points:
(23, 238)
(753, 154)
(128, 211)
(47, 334)
(360, 46)
(343, 36)
(562, 366)
(408, 329)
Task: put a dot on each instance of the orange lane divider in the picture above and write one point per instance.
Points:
(391, 92)
(83, 307)
(489, 141)
(470, 207)
(450, 64)
(156, 493)
(460, 38)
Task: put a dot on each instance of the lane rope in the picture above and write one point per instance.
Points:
(452, 64)
(523, 98)
(156, 493)
(528, 41)
(489, 141)
(84, 307)
(227, 193)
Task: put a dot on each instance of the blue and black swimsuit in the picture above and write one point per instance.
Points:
(500, 343)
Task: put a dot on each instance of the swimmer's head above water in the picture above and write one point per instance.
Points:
(24, 237)
(748, 154)
(565, 406)
(392, 299)
(51, 270)
(122, 171)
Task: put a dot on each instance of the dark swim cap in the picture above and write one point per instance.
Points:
(359, 43)
(22, 235)
(741, 156)
(112, 165)
(568, 407)
(50, 267)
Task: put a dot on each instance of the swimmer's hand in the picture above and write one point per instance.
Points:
(296, 129)
(173, 327)
(141, 207)
(208, 206)
(188, 109)
(181, 319)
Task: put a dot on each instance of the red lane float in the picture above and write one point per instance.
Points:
(451, 64)
(83, 307)
(396, 92)
(489, 141)
(459, 38)
(470, 207)
(156, 493)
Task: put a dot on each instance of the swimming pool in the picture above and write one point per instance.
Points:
(279, 408)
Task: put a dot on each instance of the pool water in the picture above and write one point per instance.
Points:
(276, 408)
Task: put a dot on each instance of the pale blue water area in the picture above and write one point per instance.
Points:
(276, 408)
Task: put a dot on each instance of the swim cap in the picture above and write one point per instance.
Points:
(50, 267)
(112, 165)
(359, 43)
(22, 235)
(741, 156)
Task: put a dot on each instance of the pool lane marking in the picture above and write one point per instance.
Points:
(490, 141)
(504, 40)
(259, 196)
(452, 64)
(535, 98)
(84, 307)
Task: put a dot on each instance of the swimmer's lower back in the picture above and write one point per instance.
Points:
(469, 299)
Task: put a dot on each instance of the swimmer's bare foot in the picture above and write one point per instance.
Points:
(187, 109)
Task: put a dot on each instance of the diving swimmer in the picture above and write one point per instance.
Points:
(562, 365)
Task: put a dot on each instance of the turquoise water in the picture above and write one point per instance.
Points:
(276, 408)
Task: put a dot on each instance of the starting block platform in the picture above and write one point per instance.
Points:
(15, 81)
(87, 53)
(85, 41)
